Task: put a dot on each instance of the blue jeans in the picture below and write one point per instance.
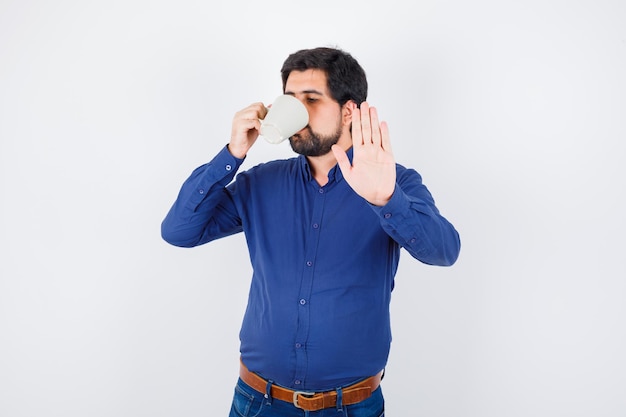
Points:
(248, 402)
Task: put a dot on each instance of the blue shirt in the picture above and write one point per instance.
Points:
(323, 260)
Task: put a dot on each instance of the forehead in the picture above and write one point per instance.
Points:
(307, 80)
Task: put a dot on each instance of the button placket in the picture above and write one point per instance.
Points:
(308, 274)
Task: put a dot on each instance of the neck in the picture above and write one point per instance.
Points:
(321, 165)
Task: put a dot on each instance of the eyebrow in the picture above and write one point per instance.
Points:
(305, 92)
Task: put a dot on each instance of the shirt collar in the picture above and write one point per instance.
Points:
(334, 174)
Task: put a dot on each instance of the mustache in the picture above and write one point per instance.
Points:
(298, 136)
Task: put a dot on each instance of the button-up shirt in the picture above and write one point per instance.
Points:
(323, 262)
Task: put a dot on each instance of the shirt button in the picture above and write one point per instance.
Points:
(302, 301)
(309, 263)
(321, 191)
(201, 191)
(387, 215)
(228, 167)
(413, 240)
(315, 225)
(298, 345)
(297, 382)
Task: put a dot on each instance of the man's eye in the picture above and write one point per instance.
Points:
(311, 100)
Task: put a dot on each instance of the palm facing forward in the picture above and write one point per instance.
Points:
(372, 174)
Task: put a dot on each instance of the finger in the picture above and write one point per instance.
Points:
(385, 141)
(375, 127)
(245, 130)
(342, 159)
(263, 111)
(253, 111)
(366, 127)
(357, 135)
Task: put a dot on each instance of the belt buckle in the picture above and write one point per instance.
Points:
(304, 393)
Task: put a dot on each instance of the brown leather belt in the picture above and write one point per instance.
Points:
(313, 401)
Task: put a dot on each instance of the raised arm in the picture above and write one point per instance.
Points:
(406, 208)
(203, 210)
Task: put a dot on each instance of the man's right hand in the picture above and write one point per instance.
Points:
(245, 129)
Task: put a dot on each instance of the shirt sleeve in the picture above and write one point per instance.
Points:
(414, 222)
(204, 210)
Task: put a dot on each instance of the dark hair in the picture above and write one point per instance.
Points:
(346, 78)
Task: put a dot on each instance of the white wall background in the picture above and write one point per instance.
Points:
(513, 111)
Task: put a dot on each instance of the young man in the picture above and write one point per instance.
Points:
(324, 232)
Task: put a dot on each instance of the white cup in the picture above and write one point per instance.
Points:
(286, 116)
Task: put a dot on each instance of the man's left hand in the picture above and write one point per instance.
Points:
(372, 173)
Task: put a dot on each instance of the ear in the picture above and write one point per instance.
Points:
(346, 112)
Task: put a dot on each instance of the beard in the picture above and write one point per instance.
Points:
(314, 144)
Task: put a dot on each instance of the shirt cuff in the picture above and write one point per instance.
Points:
(224, 166)
(395, 208)
(221, 170)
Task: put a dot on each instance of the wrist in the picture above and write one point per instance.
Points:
(236, 152)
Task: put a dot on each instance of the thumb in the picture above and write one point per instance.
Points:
(342, 159)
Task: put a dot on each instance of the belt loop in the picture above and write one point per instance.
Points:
(339, 399)
(268, 393)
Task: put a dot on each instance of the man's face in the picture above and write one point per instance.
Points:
(325, 116)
